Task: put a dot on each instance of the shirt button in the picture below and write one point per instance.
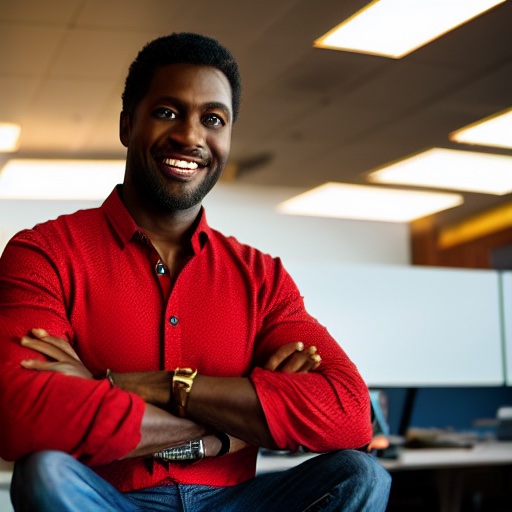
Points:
(160, 268)
(173, 320)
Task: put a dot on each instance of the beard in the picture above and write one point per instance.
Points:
(158, 195)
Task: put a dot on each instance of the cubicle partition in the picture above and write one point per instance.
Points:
(506, 290)
(407, 326)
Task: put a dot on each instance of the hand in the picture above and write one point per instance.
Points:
(293, 358)
(63, 358)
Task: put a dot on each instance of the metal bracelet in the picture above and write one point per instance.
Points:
(193, 450)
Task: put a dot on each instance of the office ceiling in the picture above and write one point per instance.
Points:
(308, 115)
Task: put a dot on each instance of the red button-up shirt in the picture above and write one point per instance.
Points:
(90, 277)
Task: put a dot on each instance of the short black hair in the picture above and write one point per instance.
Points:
(178, 48)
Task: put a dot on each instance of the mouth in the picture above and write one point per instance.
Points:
(181, 168)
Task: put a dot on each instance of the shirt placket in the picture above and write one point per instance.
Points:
(170, 342)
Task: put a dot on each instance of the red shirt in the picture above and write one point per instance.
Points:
(90, 277)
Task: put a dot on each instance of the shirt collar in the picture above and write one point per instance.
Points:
(127, 230)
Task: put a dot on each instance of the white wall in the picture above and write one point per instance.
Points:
(247, 212)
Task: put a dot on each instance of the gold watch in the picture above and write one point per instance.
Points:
(181, 385)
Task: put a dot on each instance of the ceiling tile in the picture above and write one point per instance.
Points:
(27, 49)
(55, 12)
(97, 53)
(150, 15)
(15, 97)
(58, 120)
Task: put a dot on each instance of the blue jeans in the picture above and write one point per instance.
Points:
(351, 481)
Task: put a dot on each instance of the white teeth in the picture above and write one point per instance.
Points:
(182, 164)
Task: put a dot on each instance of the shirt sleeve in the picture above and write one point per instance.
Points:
(323, 410)
(46, 410)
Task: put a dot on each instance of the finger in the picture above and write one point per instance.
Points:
(73, 369)
(316, 361)
(46, 348)
(60, 343)
(314, 357)
(281, 354)
(312, 363)
(296, 362)
(37, 364)
(300, 362)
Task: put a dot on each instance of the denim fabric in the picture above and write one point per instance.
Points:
(347, 480)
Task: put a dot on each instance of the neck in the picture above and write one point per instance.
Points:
(169, 232)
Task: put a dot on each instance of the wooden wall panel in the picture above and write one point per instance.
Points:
(477, 253)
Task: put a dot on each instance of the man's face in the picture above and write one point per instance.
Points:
(178, 137)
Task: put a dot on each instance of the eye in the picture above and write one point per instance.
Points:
(164, 113)
(213, 120)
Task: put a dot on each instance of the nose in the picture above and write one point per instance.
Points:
(188, 133)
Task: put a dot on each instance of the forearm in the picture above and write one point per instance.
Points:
(224, 404)
(160, 429)
(153, 387)
(229, 405)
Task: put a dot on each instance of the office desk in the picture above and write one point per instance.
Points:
(449, 466)
(490, 453)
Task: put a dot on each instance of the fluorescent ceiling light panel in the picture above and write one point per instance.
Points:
(495, 131)
(451, 169)
(9, 136)
(60, 179)
(361, 202)
(394, 28)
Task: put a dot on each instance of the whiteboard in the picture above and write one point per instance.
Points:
(507, 324)
(410, 325)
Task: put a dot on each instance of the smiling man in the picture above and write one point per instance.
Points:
(145, 357)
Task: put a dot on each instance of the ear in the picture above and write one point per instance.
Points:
(124, 128)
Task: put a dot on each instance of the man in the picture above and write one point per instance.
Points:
(145, 356)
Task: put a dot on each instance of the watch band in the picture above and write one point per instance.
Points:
(225, 443)
(193, 450)
(181, 385)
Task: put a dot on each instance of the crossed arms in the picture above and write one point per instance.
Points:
(240, 415)
(322, 409)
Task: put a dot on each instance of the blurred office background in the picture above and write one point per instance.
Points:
(310, 116)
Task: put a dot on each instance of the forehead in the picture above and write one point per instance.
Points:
(191, 83)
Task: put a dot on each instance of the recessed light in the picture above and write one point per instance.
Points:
(361, 202)
(394, 28)
(470, 171)
(9, 136)
(495, 131)
(24, 178)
